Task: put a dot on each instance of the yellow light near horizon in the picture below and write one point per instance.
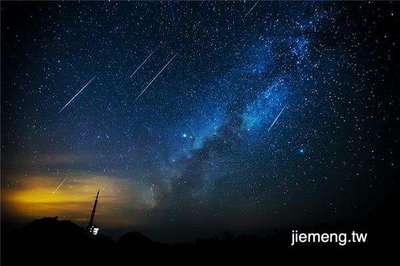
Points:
(37, 197)
(43, 195)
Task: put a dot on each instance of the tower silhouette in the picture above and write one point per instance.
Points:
(90, 225)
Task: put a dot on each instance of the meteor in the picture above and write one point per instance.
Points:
(84, 87)
(141, 64)
(148, 85)
(251, 9)
(276, 118)
(62, 182)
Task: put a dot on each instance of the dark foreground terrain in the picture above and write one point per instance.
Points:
(50, 241)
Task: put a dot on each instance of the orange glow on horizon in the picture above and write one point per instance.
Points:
(37, 197)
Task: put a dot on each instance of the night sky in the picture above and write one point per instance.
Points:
(198, 117)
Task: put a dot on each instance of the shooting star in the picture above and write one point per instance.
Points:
(276, 118)
(251, 9)
(148, 85)
(147, 58)
(84, 87)
(58, 187)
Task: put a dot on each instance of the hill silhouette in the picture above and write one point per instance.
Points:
(50, 241)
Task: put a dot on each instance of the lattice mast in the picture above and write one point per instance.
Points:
(90, 225)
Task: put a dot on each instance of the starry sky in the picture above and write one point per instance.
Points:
(198, 117)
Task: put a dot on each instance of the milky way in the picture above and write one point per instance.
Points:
(237, 116)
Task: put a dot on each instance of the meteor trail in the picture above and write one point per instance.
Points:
(251, 9)
(62, 182)
(141, 64)
(276, 118)
(87, 84)
(148, 85)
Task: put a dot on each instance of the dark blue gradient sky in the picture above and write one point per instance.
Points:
(265, 118)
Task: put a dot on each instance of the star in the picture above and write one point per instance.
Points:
(189, 108)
